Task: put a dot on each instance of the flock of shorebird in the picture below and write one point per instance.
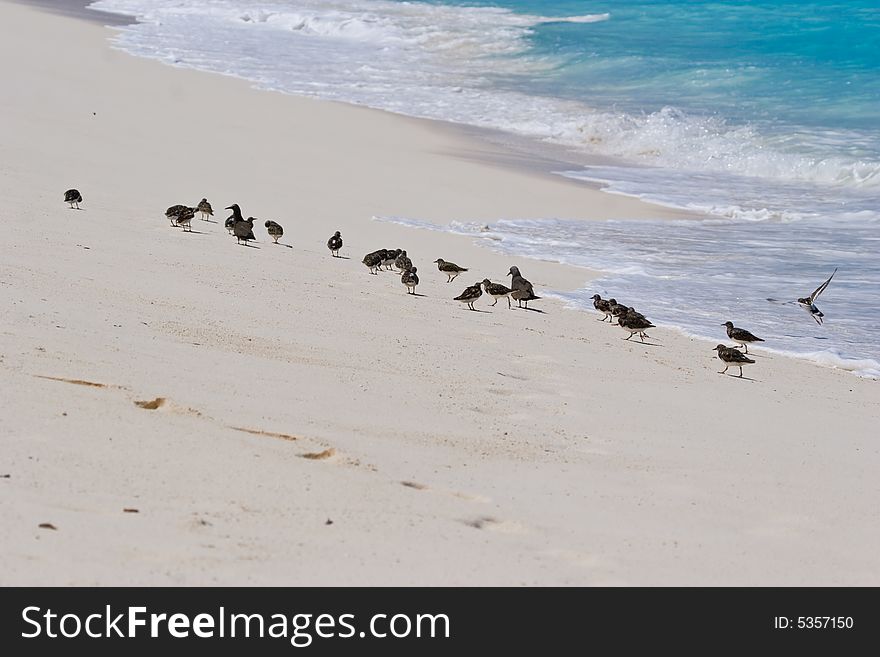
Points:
(636, 323)
(520, 290)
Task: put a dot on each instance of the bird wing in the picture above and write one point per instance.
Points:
(742, 334)
(736, 356)
(471, 292)
(819, 290)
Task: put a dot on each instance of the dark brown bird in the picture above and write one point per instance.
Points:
(740, 335)
(175, 211)
(521, 289)
(275, 230)
(410, 279)
(634, 323)
(390, 257)
(373, 260)
(470, 295)
(242, 228)
(205, 209)
(808, 302)
(603, 306)
(732, 357)
(73, 197)
(451, 269)
(184, 218)
(497, 291)
(334, 244)
(402, 262)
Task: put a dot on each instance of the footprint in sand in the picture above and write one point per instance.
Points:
(470, 497)
(77, 382)
(319, 456)
(152, 404)
(495, 525)
(260, 432)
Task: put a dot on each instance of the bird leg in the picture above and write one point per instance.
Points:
(496, 301)
(724, 370)
(740, 371)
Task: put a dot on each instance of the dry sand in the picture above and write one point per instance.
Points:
(303, 422)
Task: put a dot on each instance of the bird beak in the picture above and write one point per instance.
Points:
(229, 208)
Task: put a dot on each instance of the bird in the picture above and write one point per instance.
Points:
(740, 335)
(809, 302)
(242, 228)
(616, 309)
(205, 209)
(234, 218)
(184, 217)
(374, 260)
(275, 230)
(390, 257)
(175, 211)
(334, 244)
(497, 291)
(73, 197)
(603, 306)
(236, 212)
(632, 312)
(634, 323)
(470, 295)
(732, 356)
(402, 262)
(410, 279)
(451, 269)
(521, 289)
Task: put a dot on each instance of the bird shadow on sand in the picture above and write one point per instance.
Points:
(477, 310)
(289, 246)
(193, 232)
(531, 310)
(341, 257)
(418, 295)
(250, 246)
(740, 378)
(644, 344)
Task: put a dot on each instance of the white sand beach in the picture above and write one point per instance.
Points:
(316, 425)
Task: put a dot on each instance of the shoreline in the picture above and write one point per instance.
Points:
(79, 9)
(241, 398)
